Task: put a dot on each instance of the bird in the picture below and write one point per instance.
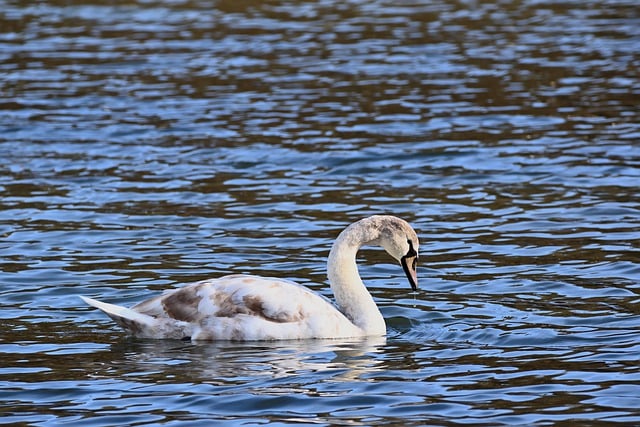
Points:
(243, 307)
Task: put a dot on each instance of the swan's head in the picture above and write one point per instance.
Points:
(400, 241)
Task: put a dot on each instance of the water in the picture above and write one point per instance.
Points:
(148, 144)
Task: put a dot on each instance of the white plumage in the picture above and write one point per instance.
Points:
(249, 308)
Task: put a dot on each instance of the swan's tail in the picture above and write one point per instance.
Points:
(130, 320)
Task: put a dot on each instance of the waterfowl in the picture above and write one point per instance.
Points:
(249, 308)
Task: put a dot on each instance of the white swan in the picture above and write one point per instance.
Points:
(248, 308)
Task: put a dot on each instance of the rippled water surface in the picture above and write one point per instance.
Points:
(145, 144)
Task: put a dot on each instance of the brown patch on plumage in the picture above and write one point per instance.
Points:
(256, 307)
(254, 304)
(183, 304)
(151, 306)
(226, 306)
(237, 335)
(129, 325)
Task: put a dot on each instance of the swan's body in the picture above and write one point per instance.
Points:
(247, 308)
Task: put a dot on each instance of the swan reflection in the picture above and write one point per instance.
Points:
(232, 363)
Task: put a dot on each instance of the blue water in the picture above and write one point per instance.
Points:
(149, 144)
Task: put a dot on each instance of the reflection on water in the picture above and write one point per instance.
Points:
(241, 363)
(150, 144)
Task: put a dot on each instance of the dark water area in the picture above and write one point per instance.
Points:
(145, 144)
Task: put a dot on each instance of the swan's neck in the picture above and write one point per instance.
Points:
(352, 297)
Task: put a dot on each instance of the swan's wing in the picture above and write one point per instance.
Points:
(243, 307)
(273, 299)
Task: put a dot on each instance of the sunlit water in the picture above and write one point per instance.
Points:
(147, 144)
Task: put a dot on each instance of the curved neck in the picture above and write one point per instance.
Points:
(352, 297)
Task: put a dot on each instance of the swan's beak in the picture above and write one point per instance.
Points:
(409, 263)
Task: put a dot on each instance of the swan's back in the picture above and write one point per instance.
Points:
(239, 308)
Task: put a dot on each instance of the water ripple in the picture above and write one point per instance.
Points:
(150, 144)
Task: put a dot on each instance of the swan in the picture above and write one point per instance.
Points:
(243, 307)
